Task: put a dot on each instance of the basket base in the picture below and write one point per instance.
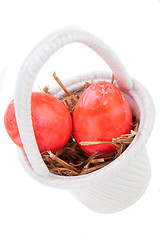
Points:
(120, 191)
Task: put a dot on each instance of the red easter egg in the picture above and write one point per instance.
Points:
(101, 114)
(51, 120)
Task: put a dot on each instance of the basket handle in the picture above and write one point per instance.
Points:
(29, 71)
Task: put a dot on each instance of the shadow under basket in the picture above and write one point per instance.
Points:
(118, 184)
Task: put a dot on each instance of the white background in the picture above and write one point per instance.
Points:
(29, 210)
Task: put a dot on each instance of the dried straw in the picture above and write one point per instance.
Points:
(71, 160)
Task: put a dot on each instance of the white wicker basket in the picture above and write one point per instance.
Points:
(122, 182)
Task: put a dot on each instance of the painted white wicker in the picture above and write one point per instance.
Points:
(120, 183)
